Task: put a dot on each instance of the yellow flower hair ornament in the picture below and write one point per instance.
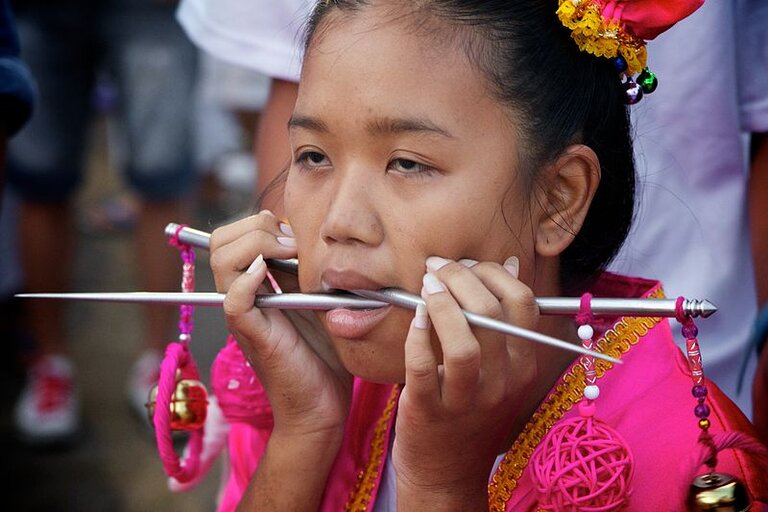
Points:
(618, 30)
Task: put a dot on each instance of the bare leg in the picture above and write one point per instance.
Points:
(47, 240)
(272, 148)
(159, 266)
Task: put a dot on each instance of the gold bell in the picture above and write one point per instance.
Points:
(189, 405)
(715, 491)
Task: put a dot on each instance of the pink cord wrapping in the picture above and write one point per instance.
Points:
(680, 315)
(177, 356)
(583, 464)
(584, 316)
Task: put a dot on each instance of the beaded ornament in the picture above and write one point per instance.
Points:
(708, 444)
(179, 402)
(618, 30)
(583, 464)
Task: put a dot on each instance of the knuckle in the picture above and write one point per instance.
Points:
(523, 303)
(215, 240)
(421, 368)
(232, 309)
(216, 261)
(438, 305)
(451, 270)
(466, 356)
(491, 308)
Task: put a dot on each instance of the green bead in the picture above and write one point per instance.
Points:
(648, 81)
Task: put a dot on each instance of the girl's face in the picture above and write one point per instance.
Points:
(400, 152)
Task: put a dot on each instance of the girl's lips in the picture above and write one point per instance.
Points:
(347, 279)
(348, 323)
(354, 324)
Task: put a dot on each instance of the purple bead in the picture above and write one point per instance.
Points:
(701, 411)
(633, 92)
(690, 331)
(699, 391)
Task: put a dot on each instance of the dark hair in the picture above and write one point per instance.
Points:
(562, 96)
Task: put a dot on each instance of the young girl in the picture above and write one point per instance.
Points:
(470, 152)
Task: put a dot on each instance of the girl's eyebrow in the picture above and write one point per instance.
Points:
(307, 122)
(379, 126)
(389, 125)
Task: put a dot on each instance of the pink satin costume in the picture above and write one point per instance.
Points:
(647, 400)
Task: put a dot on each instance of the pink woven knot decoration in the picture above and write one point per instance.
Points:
(239, 391)
(583, 465)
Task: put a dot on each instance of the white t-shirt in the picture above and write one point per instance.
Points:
(691, 226)
(262, 35)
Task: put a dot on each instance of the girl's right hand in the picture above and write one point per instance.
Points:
(307, 387)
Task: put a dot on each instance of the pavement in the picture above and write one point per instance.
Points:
(114, 465)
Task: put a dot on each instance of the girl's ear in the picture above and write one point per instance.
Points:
(565, 195)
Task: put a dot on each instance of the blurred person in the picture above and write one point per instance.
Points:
(65, 44)
(692, 228)
(753, 57)
(758, 199)
(263, 36)
(230, 100)
(17, 94)
(16, 86)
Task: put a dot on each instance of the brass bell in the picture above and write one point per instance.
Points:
(717, 492)
(188, 407)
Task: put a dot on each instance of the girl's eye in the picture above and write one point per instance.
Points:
(312, 159)
(406, 166)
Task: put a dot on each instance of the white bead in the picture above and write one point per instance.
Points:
(591, 392)
(585, 332)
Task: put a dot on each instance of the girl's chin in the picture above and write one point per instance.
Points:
(366, 361)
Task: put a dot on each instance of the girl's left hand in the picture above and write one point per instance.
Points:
(454, 417)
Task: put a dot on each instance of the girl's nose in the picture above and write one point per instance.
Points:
(352, 214)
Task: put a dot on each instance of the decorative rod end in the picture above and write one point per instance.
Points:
(700, 308)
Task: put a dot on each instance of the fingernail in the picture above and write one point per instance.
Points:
(257, 263)
(513, 266)
(420, 319)
(286, 241)
(436, 263)
(265, 211)
(432, 284)
(467, 262)
(286, 229)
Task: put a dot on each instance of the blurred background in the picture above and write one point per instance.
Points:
(109, 460)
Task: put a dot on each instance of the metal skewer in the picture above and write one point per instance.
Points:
(566, 306)
(319, 301)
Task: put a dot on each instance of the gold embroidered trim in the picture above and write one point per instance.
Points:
(615, 342)
(599, 36)
(360, 497)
